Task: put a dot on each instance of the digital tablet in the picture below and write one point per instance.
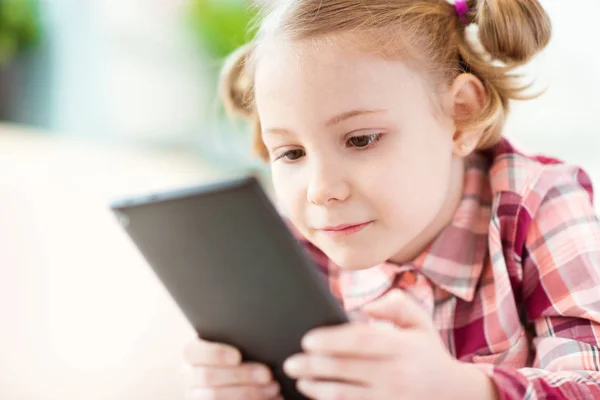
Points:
(233, 267)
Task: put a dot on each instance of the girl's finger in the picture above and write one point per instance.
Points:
(398, 308)
(246, 374)
(203, 353)
(319, 367)
(333, 390)
(371, 341)
(267, 392)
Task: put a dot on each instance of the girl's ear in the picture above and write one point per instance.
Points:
(467, 101)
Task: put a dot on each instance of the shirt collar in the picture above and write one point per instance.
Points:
(452, 262)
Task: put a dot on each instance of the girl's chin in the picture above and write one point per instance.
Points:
(355, 261)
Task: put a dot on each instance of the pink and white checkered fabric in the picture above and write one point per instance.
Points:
(513, 283)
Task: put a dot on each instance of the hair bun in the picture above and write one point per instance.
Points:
(513, 31)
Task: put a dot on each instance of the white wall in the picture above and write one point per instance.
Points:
(126, 70)
(565, 121)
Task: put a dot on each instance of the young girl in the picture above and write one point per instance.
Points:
(382, 122)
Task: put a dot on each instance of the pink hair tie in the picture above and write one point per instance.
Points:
(462, 8)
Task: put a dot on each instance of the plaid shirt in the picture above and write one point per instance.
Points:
(513, 283)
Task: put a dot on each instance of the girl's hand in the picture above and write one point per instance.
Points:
(404, 358)
(216, 371)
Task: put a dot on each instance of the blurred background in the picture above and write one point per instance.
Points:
(103, 98)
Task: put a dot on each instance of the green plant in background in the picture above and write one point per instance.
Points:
(222, 25)
(19, 27)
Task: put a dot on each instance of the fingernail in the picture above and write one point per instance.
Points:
(358, 316)
(385, 325)
(292, 365)
(308, 341)
(302, 385)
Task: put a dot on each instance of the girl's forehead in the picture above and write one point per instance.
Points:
(330, 74)
(295, 88)
(313, 59)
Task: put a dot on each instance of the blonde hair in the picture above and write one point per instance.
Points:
(426, 32)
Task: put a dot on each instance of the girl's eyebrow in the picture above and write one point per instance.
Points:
(276, 131)
(350, 114)
(330, 122)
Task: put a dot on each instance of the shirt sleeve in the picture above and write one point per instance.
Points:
(560, 293)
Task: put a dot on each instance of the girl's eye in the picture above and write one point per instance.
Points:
(291, 155)
(363, 140)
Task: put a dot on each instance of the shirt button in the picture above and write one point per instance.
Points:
(409, 278)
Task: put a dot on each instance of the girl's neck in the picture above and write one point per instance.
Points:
(442, 220)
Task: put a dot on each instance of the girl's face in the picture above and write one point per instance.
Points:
(362, 161)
